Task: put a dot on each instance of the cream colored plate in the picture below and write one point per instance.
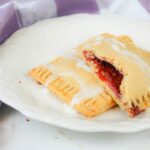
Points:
(37, 44)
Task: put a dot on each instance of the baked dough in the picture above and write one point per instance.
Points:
(122, 69)
(74, 85)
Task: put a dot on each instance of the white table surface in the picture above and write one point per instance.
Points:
(16, 133)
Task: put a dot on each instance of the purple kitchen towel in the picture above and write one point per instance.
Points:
(8, 20)
(30, 11)
(66, 7)
(145, 4)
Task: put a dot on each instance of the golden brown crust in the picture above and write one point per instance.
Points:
(66, 87)
(131, 61)
(40, 74)
(96, 105)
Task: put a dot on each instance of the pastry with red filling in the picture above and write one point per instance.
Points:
(71, 82)
(122, 69)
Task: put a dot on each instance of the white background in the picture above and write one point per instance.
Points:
(16, 133)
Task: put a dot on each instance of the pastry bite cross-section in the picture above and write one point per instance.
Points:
(71, 81)
(106, 72)
(122, 69)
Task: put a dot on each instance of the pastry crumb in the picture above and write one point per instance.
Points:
(20, 82)
(27, 119)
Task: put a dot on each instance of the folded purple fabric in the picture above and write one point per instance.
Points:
(66, 7)
(145, 4)
(8, 20)
(30, 11)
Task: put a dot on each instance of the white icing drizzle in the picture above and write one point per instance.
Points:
(116, 43)
(51, 79)
(86, 90)
(99, 39)
(112, 41)
(137, 59)
(116, 46)
(79, 62)
(88, 46)
(96, 43)
(69, 109)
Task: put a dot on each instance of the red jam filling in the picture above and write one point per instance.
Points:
(134, 110)
(106, 72)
